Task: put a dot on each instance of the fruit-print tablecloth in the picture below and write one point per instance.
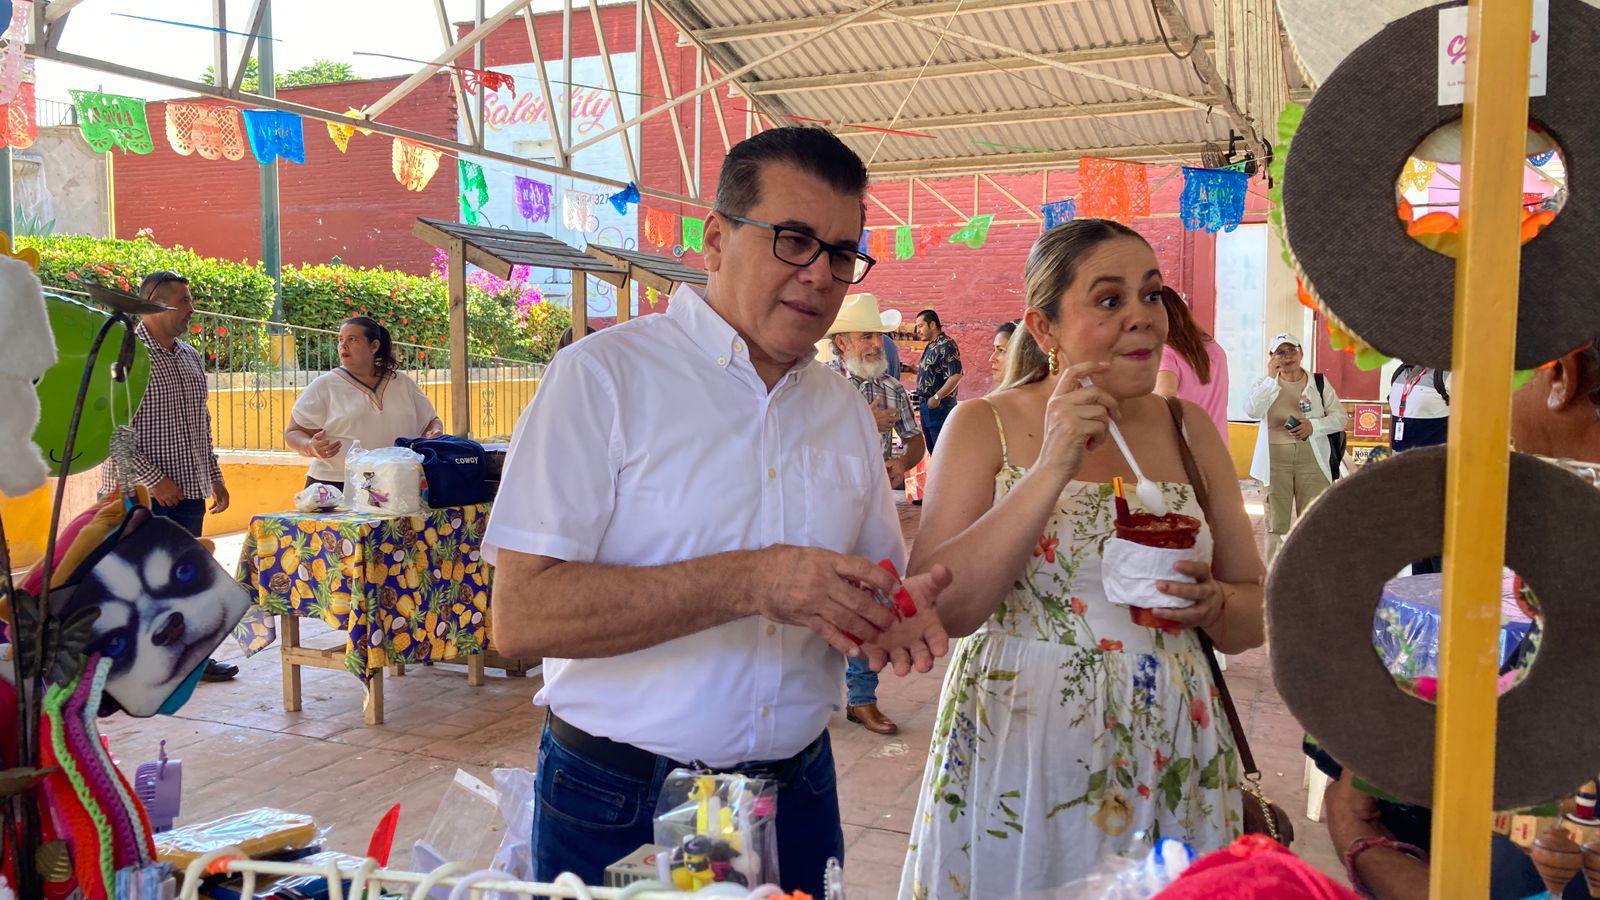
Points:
(403, 589)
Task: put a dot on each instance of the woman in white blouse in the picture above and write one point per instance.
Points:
(366, 399)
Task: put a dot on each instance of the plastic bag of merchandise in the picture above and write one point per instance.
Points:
(386, 481)
(466, 828)
(718, 828)
(1126, 877)
(517, 800)
(318, 497)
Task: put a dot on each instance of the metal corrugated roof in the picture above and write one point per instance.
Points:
(973, 104)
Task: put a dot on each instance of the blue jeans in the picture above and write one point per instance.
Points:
(860, 682)
(589, 815)
(190, 514)
(933, 419)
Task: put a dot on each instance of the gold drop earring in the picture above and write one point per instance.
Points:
(1055, 362)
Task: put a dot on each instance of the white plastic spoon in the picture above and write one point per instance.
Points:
(1148, 492)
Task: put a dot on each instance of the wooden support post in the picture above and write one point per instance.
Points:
(625, 299)
(580, 304)
(460, 395)
(1494, 123)
(289, 641)
(372, 701)
(475, 670)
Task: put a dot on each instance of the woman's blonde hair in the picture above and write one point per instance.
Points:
(1051, 268)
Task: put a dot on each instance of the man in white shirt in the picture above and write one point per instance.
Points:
(687, 514)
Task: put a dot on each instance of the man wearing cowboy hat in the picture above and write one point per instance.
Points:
(856, 340)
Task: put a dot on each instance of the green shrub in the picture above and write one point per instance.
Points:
(219, 285)
(415, 309)
(544, 324)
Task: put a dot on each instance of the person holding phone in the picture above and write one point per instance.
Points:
(1298, 410)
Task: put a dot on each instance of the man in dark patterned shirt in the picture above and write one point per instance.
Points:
(938, 375)
(175, 458)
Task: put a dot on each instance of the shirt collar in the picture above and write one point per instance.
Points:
(711, 333)
(152, 343)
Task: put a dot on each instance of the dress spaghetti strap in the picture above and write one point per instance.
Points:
(1005, 457)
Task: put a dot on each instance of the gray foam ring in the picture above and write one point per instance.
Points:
(1325, 588)
(1339, 196)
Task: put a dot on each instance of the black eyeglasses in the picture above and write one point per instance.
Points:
(799, 248)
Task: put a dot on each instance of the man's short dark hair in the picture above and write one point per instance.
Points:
(811, 150)
(932, 317)
(155, 280)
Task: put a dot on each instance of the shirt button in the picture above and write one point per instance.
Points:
(722, 360)
(772, 630)
(772, 473)
(765, 711)
(738, 346)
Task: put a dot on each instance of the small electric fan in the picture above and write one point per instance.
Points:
(159, 785)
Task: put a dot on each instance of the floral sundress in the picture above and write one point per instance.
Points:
(1066, 730)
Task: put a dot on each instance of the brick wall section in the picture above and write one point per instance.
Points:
(352, 206)
(975, 290)
(348, 206)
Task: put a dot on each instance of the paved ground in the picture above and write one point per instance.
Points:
(241, 750)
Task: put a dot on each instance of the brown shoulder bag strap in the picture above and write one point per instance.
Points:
(1192, 469)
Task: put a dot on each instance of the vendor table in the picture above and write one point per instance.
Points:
(1406, 629)
(403, 589)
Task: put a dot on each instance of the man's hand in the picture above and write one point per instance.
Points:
(166, 492)
(219, 497)
(817, 588)
(884, 416)
(1302, 431)
(914, 642)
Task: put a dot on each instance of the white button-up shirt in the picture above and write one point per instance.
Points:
(653, 442)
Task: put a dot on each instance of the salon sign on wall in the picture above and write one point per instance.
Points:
(1453, 52)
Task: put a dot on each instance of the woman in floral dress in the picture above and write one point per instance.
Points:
(1071, 728)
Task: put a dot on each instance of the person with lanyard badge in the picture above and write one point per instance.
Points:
(1419, 401)
(367, 399)
(1419, 406)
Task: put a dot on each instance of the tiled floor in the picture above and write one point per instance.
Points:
(240, 750)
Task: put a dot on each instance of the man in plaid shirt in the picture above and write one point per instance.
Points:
(859, 356)
(175, 458)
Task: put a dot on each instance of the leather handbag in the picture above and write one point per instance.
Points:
(1261, 815)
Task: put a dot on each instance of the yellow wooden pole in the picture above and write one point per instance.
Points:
(1494, 122)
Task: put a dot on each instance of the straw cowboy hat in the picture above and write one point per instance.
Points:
(860, 313)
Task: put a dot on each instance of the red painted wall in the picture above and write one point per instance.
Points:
(348, 205)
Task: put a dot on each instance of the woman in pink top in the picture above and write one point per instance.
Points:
(1194, 366)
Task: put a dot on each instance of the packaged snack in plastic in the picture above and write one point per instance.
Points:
(318, 498)
(257, 833)
(387, 481)
(718, 828)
